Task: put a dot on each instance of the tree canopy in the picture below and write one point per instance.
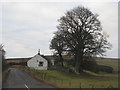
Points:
(81, 35)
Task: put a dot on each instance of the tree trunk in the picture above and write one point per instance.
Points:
(61, 59)
(78, 67)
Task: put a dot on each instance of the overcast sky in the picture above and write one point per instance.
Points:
(27, 27)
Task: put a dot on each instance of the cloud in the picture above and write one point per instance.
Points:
(28, 27)
(0, 23)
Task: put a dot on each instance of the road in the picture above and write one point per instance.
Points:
(20, 79)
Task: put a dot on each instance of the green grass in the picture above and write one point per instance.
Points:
(112, 63)
(69, 80)
(85, 80)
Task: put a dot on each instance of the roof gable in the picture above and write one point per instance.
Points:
(38, 57)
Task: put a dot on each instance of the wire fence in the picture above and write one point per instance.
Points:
(64, 83)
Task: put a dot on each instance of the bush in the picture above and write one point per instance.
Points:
(94, 67)
(90, 64)
(103, 68)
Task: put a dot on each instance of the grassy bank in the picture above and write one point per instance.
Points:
(69, 80)
(111, 63)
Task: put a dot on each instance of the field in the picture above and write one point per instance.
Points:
(85, 80)
(111, 63)
(69, 80)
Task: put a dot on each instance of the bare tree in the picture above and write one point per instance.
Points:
(83, 36)
(57, 45)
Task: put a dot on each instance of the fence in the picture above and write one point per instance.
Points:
(64, 83)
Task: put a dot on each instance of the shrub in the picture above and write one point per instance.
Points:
(103, 68)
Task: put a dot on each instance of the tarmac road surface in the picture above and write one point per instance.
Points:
(20, 79)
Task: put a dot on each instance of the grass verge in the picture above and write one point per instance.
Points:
(70, 80)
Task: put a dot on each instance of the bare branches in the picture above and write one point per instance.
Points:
(81, 34)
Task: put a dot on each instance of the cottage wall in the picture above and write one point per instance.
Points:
(34, 63)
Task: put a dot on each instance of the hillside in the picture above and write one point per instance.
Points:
(109, 62)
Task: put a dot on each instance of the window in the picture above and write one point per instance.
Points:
(40, 64)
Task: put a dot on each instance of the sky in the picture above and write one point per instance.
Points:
(29, 26)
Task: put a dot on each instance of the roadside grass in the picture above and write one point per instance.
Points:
(85, 80)
(70, 80)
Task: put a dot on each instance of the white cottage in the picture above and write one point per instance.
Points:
(38, 62)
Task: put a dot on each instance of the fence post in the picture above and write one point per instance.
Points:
(70, 83)
(62, 81)
(110, 87)
(92, 87)
(44, 76)
(80, 87)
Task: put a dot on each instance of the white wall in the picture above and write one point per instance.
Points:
(34, 62)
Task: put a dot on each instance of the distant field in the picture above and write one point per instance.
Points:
(112, 63)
